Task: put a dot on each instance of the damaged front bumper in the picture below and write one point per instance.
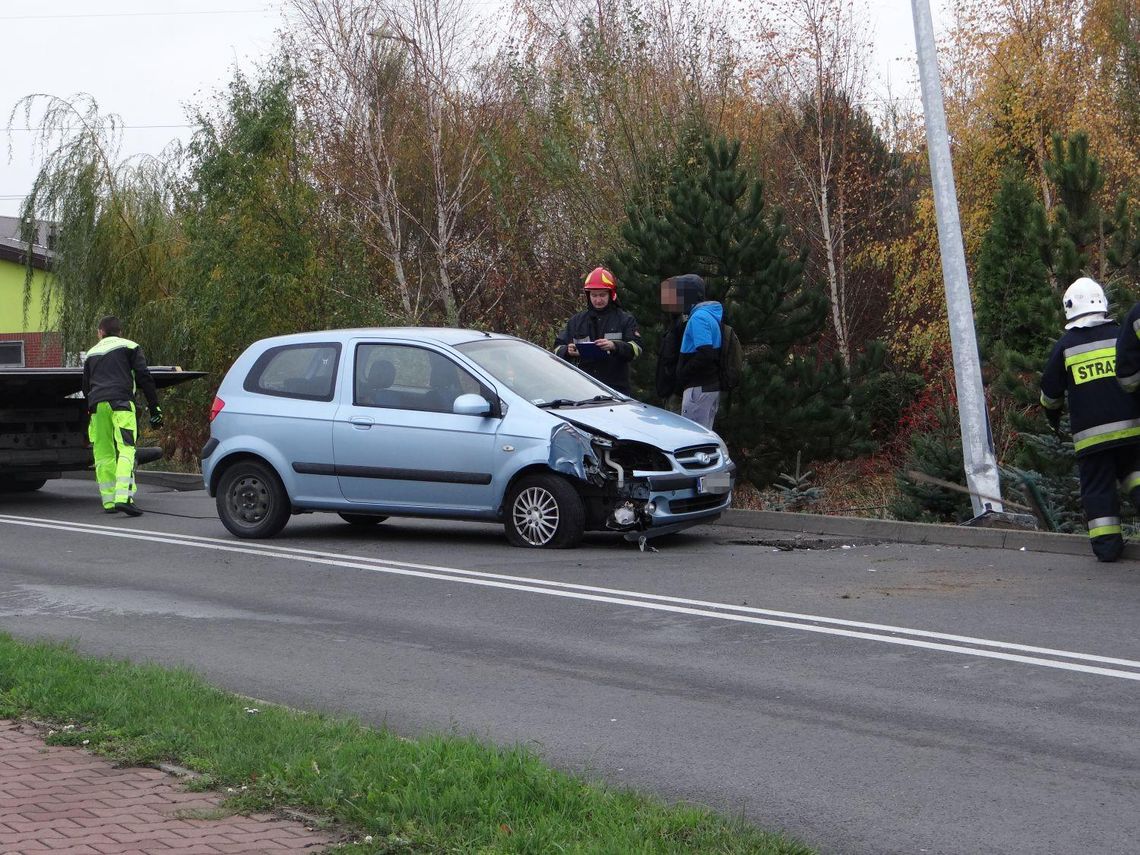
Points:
(665, 503)
(641, 503)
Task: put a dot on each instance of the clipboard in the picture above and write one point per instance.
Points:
(588, 351)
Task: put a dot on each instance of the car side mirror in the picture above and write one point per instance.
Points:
(471, 405)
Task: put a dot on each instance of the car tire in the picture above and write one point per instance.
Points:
(544, 511)
(362, 520)
(23, 486)
(252, 501)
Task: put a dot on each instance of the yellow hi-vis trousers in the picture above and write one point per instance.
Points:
(112, 433)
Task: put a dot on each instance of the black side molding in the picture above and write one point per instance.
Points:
(387, 473)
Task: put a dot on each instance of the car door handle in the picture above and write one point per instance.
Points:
(362, 422)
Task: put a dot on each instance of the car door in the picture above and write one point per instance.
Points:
(396, 441)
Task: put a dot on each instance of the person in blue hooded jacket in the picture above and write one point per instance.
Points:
(698, 363)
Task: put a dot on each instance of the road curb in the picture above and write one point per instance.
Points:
(911, 532)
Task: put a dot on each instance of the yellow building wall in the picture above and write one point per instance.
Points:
(12, 318)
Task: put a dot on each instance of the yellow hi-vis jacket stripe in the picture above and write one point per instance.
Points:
(1093, 363)
(1106, 433)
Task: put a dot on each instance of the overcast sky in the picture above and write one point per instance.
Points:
(147, 60)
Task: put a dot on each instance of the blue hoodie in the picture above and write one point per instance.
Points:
(699, 365)
(703, 327)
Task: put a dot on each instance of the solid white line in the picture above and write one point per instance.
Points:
(528, 585)
(253, 547)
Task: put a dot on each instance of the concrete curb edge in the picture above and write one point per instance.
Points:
(910, 532)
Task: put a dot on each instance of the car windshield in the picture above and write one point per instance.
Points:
(536, 374)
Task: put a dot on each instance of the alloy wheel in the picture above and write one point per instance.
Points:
(536, 516)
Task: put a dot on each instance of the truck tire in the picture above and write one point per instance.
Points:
(544, 511)
(252, 501)
(362, 520)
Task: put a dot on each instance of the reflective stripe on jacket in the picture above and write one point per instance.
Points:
(112, 369)
(1082, 368)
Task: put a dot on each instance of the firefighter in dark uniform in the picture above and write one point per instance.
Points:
(1128, 352)
(1105, 419)
(115, 367)
(612, 332)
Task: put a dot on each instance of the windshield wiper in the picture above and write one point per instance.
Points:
(556, 403)
(599, 398)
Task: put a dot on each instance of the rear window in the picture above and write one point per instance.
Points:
(305, 371)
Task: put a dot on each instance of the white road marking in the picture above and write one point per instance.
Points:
(636, 599)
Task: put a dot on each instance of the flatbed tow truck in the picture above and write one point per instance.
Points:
(43, 424)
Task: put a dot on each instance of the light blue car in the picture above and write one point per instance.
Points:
(450, 424)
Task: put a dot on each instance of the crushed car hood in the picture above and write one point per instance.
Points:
(640, 422)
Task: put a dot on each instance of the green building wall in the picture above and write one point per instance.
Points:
(12, 318)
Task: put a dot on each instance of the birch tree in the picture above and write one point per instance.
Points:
(811, 68)
(350, 91)
(438, 37)
(388, 81)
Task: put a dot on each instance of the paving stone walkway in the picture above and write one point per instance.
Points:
(66, 800)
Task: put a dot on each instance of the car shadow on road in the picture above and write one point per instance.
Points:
(411, 532)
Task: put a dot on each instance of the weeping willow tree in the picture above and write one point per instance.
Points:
(117, 239)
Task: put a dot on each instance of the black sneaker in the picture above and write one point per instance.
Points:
(128, 508)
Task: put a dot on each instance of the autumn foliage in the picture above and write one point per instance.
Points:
(413, 162)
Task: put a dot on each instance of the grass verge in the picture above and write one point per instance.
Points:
(434, 794)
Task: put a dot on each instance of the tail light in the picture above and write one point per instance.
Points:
(216, 407)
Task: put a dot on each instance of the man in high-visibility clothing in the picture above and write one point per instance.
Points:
(1105, 420)
(114, 369)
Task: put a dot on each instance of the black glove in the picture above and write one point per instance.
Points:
(1054, 417)
(156, 416)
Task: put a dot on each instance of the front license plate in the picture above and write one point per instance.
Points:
(718, 483)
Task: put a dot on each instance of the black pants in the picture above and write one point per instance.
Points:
(1102, 474)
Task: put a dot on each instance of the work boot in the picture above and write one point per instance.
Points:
(110, 509)
(1108, 548)
(128, 508)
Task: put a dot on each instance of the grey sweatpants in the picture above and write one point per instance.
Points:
(700, 406)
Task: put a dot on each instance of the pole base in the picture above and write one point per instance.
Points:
(1003, 519)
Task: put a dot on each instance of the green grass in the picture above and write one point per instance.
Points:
(433, 794)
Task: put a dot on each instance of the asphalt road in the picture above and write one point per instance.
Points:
(870, 699)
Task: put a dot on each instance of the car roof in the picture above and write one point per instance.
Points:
(440, 335)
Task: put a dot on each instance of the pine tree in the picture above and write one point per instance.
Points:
(795, 489)
(714, 222)
(937, 453)
(1079, 224)
(1016, 303)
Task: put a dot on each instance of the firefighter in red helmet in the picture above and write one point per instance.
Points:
(608, 334)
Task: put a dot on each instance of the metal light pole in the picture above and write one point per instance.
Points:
(977, 450)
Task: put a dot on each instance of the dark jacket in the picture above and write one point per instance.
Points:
(1082, 367)
(613, 323)
(1128, 351)
(113, 368)
(668, 357)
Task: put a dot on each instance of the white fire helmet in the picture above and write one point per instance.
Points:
(1083, 297)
